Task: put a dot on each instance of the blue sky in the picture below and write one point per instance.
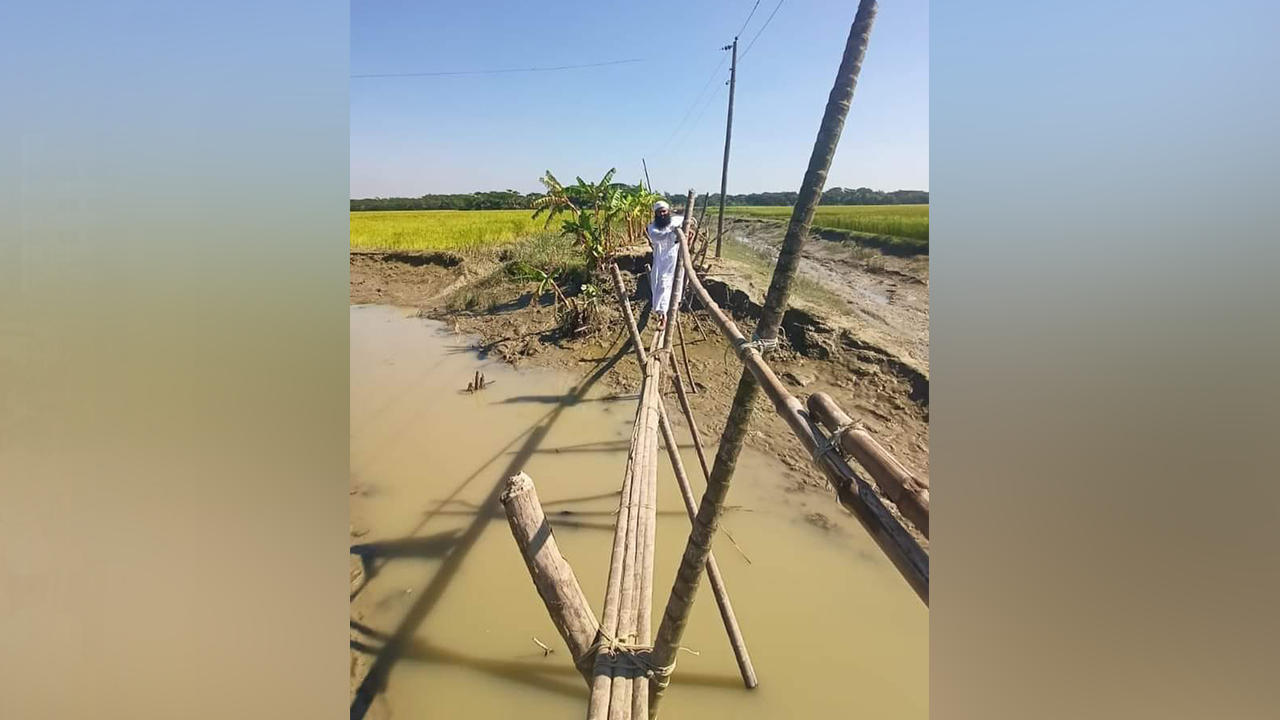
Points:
(417, 135)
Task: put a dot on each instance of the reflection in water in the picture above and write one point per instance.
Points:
(444, 616)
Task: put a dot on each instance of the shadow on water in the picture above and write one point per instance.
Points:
(534, 673)
(569, 400)
(402, 640)
(429, 546)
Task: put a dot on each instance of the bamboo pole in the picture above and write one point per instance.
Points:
(621, 289)
(649, 514)
(677, 280)
(688, 578)
(684, 353)
(909, 493)
(602, 676)
(612, 690)
(891, 536)
(718, 589)
(552, 576)
(620, 689)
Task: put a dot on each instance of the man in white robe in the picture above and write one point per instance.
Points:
(666, 253)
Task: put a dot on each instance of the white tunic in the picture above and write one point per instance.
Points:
(666, 253)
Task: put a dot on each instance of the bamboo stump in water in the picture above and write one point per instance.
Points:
(557, 585)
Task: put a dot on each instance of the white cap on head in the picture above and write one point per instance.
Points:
(661, 205)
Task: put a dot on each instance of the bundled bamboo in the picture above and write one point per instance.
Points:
(620, 652)
(717, 582)
(908, 492)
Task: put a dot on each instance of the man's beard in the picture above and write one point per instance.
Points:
(661, 221)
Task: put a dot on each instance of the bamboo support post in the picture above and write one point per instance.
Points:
(718, 589)
(621, 289)
(552, 576)
(684, 353)
(889, 535)
(909, 493)
(677, 281)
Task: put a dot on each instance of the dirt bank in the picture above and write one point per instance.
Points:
(857, 329)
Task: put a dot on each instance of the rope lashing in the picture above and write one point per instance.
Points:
(829, 443)
(757, 343)
(611, 652)
(761, 345)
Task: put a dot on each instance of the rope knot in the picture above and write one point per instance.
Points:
(757, 343)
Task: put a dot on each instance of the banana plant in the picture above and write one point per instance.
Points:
(601, 217)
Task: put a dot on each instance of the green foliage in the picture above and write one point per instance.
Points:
(600, 216)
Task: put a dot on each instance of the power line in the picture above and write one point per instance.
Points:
(744, 25)
(701, 115)
(694, 105)
(708, 84)
(762, 27)
(497, 72)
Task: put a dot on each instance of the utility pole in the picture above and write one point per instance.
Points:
(646, 174)
(728, 134)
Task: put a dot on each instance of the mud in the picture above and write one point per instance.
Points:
(871, 355)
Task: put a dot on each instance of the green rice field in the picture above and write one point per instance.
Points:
(903, 228)
(450, 230)
(900, 221)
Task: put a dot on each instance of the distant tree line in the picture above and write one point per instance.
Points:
(503, 200)
(512, 200)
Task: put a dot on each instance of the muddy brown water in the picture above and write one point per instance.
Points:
(832, 628)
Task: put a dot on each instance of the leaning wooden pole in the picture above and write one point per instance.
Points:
(684, 354)
(854, 493)
(689, 576)
(557, 585)
(677, 281)
(718, 589)
(620, 289)
(908, 492)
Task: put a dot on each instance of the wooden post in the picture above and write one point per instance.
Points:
(684, 353)
(718, 589)
(728, 135)
(909, 493)
(677, 281)
(557, 585)
(621, 289)
(688, 578)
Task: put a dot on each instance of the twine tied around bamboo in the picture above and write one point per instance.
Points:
(831, 442)
(759, 344)
(614, 653)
